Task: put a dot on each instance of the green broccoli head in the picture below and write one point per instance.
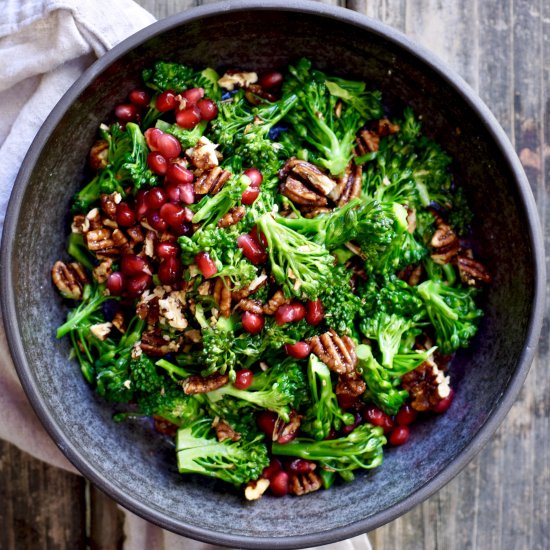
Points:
(171, 404)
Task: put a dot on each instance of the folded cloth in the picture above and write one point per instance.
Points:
(44, 46)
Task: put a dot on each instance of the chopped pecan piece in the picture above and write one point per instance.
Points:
(254, 306)
(101, 330)
(224, 430)
(253, 287)
(350, 386)
(367, 141)
(80, 224)
(349, 185)
(234, 216)
(427, 386)
(99, 155)
(108, 204)
(444, 242)
(240, 79)
(102, 271)
(171, 309)
(338, 353)
(301, 484)
(255, 489)
(472, 272)
(135, 234)
(118, 322)
(121, 242)
(222, 295)
(298, 193)
(256, 95)
(386, 127)
(204, 155)
(148, 307)
(69, 279)
(278, 299)
(198, 384)
(211, 181)
(287, 431)
(94, 219)
(154, 344)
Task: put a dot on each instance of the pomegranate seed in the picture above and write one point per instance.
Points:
(252, 249)
(253, 323)
(115, 283)
(347, 401)
(168, 146)
(181, 192)
(445, 403)
(250, 195)
(166, 250)
(258, 237)
(208, 109)
(170, 270)
(152, 137)
(255, 176)
(271, 80)
(405, 416)
(141, 204)
(348, 429)
(399, 436)
(192, 95)
(290, 313)
(176, 173)
(376, 417)
(279, 484)
(300, 466)
(126, 112)
(243, 379)
(132, 264)
(173, 214)
(206, 264)
(299, 350)
(155, 198)
(157, 163)
(183, 229)
(138, 284)
(315, 312)
(188, 118)
(274, 467)
(139, 97)
(166, 101)
(266, 421)
(155, 220)
(125, 216)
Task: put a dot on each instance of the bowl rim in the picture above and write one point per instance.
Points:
(456, 82)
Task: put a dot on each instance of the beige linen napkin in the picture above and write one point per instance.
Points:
(44, 46)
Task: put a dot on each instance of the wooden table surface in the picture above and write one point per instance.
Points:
(501, 500)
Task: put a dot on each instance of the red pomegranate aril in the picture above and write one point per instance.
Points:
(271, 80)
(274, 467)
(155, 220)
(376, 417)
(299, 466)
(243, 379)
(139, 97)
(206, 264)
(445, 403)
(255, 176)
(132, 264)
(183, 229)
(250, 195)
(170, 270)
(279, 484)
(347, 429)
(299, 350)
(188, 118)
(115, 283)
(290, 313)
(141, 203)
(266, 421)
(166, 101)
(156, 198)
(187, 193)
(399, 436)
(126, 112)
(157, 163)
(253, 323)
(166, 250)
(405, 416)
(125, 216)
(258, 236)
(172, 214)
(347, 401)
(315, 312)
(135, 286)
(168, 146)
(208, 109)
(252, 249)
(152, 137)
(176, 173)
(192, 95)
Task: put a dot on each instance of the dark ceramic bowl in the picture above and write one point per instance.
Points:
(137, 468)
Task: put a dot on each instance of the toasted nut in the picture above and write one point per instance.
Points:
(385, 127)
(99, 154)
(234, 216)
(102, 271)
(94, 219)
(472, 272)
(338, 353)
(108, 204)
(278, 299)
(121, 242)
(301, 484)
(349, 185)
(350, 385)
(154, 345)
(367, 141)
(240, 79)
(427, 386)
(224, 430)
(310, 174)
(80, 224)
(204, 155)
(445, 243)
(298, 193)
(285, 432)
(99, 240)
(171, 310)
(222, 295)
(198, 384)
(135, 234)
(69, 279)
(211, 181)
(254, 306)
(101, 330)
(118, 322)
(255, 489)
(253, 287)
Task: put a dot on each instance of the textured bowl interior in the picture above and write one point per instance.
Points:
(138, 468)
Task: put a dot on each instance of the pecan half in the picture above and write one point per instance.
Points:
(69, 279)
(367, 141)
(234, 216)
(386, 127)
(224, 430)
(254, 306)
(101, 242)
(338, 353)
(211, 181)
(349, 185)
(198, 384)
(154, 344)
(102, 271)
(472, 272)
(444, 242)
(255, 489)
(203, 155)
(222, 295)
(301, 484)
(285, 432)
(304, 184)
(278, 299)
(298, 193)
(427, 386)
(350, 386)
(99, 154)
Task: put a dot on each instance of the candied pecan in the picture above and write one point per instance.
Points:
(99, 154)
(200, 384)
(253, 287)
(278, 299)
(211, 181)
(171, 309)
(224, 430)
(256, 95)
(206, 288)
(239, 79)
(101, 330)
(222, 295)
(148, 308)
(118, 322)
(386, 127)
(338, 353)
(350, 385)
(301, 484)
(108, 204)
(367, 141)
(94, 219)
(349, 185)
(100, 241)
(427, 386)
(411, 274)
(235, 215)
(69, 279)
(256, 488)
(102, 271)
(298, 193)
(80, 224)
(203, 155)
(444, 242)
(155, 345)
(254, 306)
(287, 431)
(472, 272)
(121, 242)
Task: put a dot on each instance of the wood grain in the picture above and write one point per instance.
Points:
(501, 500)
